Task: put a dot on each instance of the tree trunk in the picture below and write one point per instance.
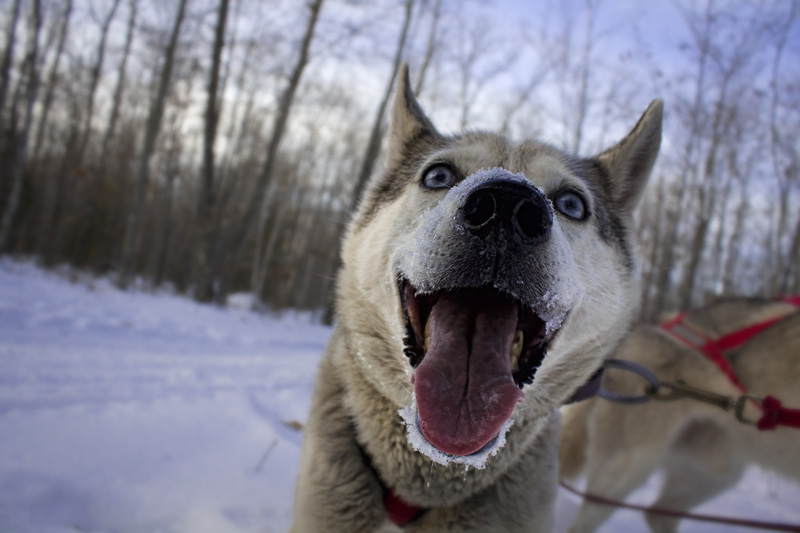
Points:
(734, 251)
(586, 70)
(376, 136)
(236, 127)
(73, 161)
(118, 90)
(16, 172)
(278, 128)
(793, 282)
(663, 284)
(94, 80)
(151, 133)
(259, 277)
(206, 211)
(8, 57)
(430, 47)
(646, 312)
(707, 199)
(719, 243)
(784, 177)
(51, 82)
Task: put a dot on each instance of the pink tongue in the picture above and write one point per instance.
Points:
(464, 387)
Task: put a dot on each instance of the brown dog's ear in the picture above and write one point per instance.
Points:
(408, 119)
(629, 162)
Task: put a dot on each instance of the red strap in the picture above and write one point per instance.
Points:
(794, 300)
(677, 319)
(709, 347)
(400, 513)
(713, 352)
(737, 338)
(775, 415)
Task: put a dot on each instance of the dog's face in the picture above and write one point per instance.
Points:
(484, 281)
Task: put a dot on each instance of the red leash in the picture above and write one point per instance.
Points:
(773, 413)
(774, 526)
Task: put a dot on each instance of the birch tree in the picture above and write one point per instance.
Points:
(151, 133)
(238, 240)
(31, 80)
(52, 78)
(208, 194)
(376, 135)
(8, 57)
(119, 87)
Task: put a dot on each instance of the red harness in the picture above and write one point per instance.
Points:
(773, 413)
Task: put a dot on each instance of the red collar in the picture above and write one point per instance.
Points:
(399, 511)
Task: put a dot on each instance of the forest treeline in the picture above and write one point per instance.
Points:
(221, 145)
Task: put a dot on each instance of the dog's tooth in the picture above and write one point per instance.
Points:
(427, 335)
(516, 347)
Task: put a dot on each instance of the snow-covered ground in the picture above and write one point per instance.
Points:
(141, 412)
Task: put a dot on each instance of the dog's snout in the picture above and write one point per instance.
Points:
(519, 209)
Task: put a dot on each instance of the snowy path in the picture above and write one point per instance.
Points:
(138, 412)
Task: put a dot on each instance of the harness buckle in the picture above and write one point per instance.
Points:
(680, 390)
(741, 402)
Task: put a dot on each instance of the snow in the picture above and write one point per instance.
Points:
(146, 412)
(420, 443)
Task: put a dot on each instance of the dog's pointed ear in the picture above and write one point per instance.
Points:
(408, 120)
(629, 162)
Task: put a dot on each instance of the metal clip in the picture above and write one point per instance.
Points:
(740, 404)
(680, 390)
(637, 369)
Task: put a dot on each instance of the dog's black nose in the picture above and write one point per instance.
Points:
(518, 208)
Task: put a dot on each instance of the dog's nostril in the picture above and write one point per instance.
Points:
(532, 219)
(480, 208)
(503, 208)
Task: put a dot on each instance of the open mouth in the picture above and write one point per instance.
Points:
(473, 349)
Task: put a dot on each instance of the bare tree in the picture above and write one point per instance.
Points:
(477, 64)
(8, 56)
(376, 135)
(278, 128)
(151, 133)
(431, 47)
(21, 136)
(208, 195)
(707, 198)
(94, 80)
(273, 198)
(113, 115)
(702, 38)
(785, 160)
(51, 80)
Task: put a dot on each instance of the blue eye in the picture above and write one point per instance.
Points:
(571, 204)
(438, 177)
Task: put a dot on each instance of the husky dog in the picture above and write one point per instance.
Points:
(483, 281)
(702, 449)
